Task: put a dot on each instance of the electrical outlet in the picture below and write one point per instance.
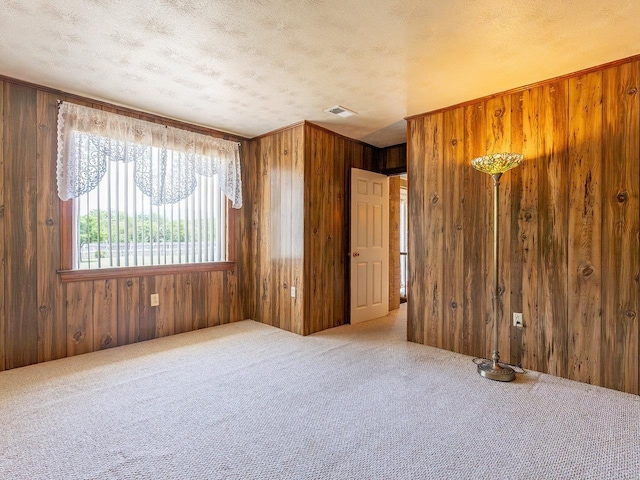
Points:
(155, 299)
(517, 319)
(293, 292)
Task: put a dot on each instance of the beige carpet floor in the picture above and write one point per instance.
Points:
(248, 401)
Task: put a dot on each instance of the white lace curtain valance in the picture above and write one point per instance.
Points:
(89, 138)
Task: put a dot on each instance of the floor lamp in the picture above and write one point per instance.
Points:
(495, 165)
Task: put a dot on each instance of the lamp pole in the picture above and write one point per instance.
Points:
(495, 356)
(492, 369)
(495, 165)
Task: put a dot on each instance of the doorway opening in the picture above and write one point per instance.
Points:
(398, 240)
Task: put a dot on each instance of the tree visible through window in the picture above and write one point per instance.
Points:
(117, 225)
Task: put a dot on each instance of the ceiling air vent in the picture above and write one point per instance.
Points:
(341, 111)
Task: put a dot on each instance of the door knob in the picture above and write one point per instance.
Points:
(356, 254)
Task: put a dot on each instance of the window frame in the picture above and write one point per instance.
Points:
(67, 274)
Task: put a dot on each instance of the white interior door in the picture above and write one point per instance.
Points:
(369, 245)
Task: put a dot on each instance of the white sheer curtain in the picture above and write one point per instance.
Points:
(167, 160)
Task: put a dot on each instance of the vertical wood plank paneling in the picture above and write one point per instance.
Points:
(199, 313)
(292, 201)
(585, 227)
(317, 212)
(453, 172)
(228, 293)
(284, 303)
(515, 259)
(51, 315)
(105, 314)
(477, 222)
(327, 282)
(553, 203)
(256, 233)
(3, 317)
(79, 318)
(264, 286)
(235, 309)
(245, 241)
(42, 318)
(294, 198)
(20, 202)
(417, 198)
(370, 156)
(498, 117)
(214, 298)
(433, 220)
(258, 254)
(327, 162)
(394, 243)
(275, 234)
(313, 230)
(249, 258)
(147, 313)
(297, 230)
(184, 304)
(338, 234)
(393, 160)
(574, 230)
(544, 235)
(273, 218)
(302, 247)
(128, 310)
(527, 227)
(283, 310)
(166, 312)
(620, 227)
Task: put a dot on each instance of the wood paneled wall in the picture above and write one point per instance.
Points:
(295, 223)
(43, 319)
(393, 160)
(570, 233)
(328, 161)
(272, 226)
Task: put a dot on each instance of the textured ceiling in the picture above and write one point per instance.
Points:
(251, 66)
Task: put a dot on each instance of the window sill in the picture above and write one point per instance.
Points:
(147, 271)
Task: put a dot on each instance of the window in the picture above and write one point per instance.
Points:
(143, 194)
(116, 225)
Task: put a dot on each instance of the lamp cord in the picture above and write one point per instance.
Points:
(516, 368)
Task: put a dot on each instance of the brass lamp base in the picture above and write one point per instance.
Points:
(493, 371)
